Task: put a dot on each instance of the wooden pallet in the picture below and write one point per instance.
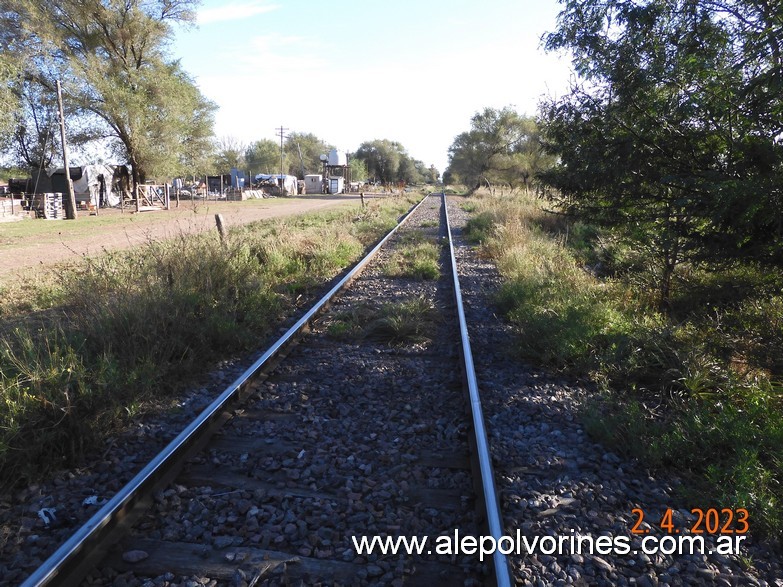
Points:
(48, 206)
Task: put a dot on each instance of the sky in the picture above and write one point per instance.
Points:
(350, 71)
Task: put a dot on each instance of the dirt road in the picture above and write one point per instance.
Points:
(29, 244)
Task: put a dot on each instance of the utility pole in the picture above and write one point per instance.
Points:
(301, 159)
(281, 131)
(70, 212)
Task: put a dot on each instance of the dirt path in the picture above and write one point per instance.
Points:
(29, 244)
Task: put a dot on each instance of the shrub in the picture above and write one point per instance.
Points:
(693, 390)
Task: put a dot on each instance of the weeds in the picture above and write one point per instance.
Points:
(410, 321)
(694, 390)
(349, 325)
(407, 322)
(417, 259)
(104, 339)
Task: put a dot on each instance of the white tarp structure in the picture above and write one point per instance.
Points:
(96, 181)
(289, 185)
(98, 184)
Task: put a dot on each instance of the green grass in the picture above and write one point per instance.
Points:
(697, 391)
(415, 259)
(349, 325)
(95, 344)
(409, 321)
(406, 322)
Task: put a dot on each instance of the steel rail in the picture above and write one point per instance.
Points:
(494, 518)
(64, 567)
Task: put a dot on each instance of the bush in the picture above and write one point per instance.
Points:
(693, 390)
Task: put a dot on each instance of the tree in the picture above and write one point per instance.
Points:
(432, 174)
(501, 147)
(382, 158)
(672, 134)
(36, 135)
(407, 171)
(263, 157)
(229, 152)
(110, 55)
(9, 99)
(388, 162)
(303, 152)
(358, 168)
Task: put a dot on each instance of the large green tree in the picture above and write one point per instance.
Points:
(358, 168)
(229, 152)
(9, 99)
(672, 132)
(382, 158)
(501, 147)
(303, 153)
(36, 134)
(263, 157)
(112, 58)
(389, 162)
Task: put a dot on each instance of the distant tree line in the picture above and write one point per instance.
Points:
(381, 161)
(388, 162)
(502, 148)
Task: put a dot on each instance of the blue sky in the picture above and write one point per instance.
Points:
(351, 71)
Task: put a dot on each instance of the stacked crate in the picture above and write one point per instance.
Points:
(49, 206)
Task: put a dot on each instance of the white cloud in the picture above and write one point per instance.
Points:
(234, 11)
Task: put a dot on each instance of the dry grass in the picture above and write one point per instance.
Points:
(719, 427)
(81, 351)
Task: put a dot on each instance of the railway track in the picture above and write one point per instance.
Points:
(362, 430)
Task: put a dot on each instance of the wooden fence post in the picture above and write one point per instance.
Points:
(221, 228)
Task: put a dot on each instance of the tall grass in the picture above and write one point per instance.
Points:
(407, 321)
(697, 390)
(415, 258)
(128, 327)
(412, 320)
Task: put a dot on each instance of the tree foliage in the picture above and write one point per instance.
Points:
(358, 168)
(382, 158)
(111, 57)
(501, 147)
(388, 162)
(672, 132)
(9, 100)
(36, 135)
(303, 153)
(263, 157)
(229, 152)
